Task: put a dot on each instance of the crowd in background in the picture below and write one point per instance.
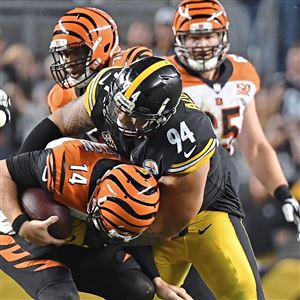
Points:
(265, 32)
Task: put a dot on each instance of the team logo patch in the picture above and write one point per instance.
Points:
(243, 89)
(108, 139)
(151, 166)
(219, 101)
(202, 26)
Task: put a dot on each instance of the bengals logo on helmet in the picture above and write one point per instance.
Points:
(125, 202)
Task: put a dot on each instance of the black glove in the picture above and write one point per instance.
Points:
(4, 108)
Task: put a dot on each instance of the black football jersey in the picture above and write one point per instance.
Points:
(181, 146)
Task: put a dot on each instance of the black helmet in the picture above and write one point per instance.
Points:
(147, 92)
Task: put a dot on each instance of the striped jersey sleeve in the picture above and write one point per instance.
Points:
(196, 161)
(98, 88)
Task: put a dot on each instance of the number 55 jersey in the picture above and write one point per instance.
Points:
(224, 100)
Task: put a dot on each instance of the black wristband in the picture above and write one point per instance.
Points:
(282, 193)
(18, 222)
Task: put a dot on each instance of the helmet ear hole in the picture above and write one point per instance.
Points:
(106, 47)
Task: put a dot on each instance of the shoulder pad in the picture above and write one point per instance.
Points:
(128, 56)
(59, 97)
(100, 82)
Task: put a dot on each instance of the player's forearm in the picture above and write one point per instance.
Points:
(9, 197)
(171, 218)
(265, 166)
(168, 225)
(45, 132)
(181, 197)
(72, 119)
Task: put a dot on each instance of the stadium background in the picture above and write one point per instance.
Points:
(260, 30)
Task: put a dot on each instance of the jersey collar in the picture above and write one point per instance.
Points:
(226, 70)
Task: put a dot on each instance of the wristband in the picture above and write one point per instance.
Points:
(18, 222)
(282, 193)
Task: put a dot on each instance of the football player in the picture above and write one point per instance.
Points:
(84, 41)
(223, 86)
(118, 201)
(141, 112)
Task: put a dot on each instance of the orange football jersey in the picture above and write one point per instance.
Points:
(58, 97)
(69, 170)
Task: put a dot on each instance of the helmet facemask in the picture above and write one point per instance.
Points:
(205, 19)
(83, 41)
(201, 59)
(122, 114)
(71, 65)
(143, 97)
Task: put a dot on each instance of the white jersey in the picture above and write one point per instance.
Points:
(5, 226)
(225, 99)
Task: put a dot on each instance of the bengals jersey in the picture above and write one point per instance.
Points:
(59, 97)
(224, 100)
(181, 146)
(69, 171)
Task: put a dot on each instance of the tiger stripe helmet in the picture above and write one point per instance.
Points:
(199, 17)
(124, 202)
(84, 40)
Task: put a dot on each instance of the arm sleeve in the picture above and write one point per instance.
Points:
(144, 256)
(26, 169)
(40, 136)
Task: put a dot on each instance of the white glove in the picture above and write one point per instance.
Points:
(291, 211)
(4, 108)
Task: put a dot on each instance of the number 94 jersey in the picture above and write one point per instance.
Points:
(182, 145)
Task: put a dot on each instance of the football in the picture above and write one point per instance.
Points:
(39, 205)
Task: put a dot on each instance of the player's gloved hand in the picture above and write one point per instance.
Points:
(291, 211)
(290, 206)
(4, 108)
